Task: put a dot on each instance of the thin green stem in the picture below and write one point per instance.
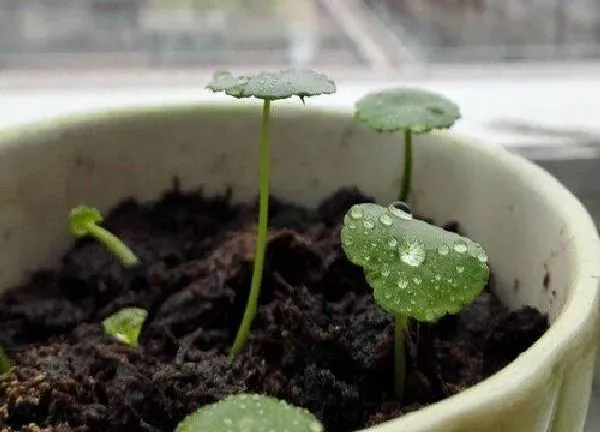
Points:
(400, 355)
(5, 363)
(113, 244)
(407, 175)
(261, 235)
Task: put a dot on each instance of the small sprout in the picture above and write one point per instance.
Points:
(250, 413)
(417, 270)
(408, 110)
(267, 86)
(126, 325)
(84, 221)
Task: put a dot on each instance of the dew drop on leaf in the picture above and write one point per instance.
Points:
(392, 242)
(385, 271)
(460, 247)
(443, 250)
(482, 257)
(414, 256)
(402, 283)
(401, 210)
(438, 277)
(356, 213)
(385, 219)
(368, 224)
(460, 269)
(417, 281)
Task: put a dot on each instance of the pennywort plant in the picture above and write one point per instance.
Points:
(126, 325)
(267, 86)
(250, 413)
(411, 111)
(84, 221)
(416, 270)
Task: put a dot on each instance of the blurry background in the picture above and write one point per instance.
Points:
(526, 73)
(358, 34)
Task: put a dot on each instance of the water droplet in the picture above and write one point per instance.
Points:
(388, 295)
(385, 219)
(385, 271)
(400, 209)
(368, 224)
(438, 277)
(482, 257)
(315, 427)
(227, 421)
(351, 226)
(414, 255)
(460, 269)
(413, 302)
(443, 250)
(392, 242)
(402, 283)
(460, 247)
(367, 258)
(356, 213)
(397, 300)
(417, 281)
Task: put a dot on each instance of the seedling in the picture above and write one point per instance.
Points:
(125, 325)
(417, 270)
(266, 86)
(250, 413)
(408, 110)
(83, 221)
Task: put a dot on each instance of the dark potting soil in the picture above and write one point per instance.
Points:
(318, 341)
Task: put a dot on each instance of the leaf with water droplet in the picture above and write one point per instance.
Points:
(250, 413)
(416, 269)
(126, 325)
(272, 85)
(406, 109)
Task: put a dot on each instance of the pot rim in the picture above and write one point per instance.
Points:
(542, 358)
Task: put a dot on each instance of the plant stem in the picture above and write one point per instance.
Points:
(261, 235)
(5, 363)
(113, 244)
(400, 355)
(407, 175)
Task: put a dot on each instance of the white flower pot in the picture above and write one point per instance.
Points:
(526, 220)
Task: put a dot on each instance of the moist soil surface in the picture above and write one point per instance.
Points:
(318, 341)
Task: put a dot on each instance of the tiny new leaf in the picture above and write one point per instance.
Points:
(272, 85)
(416, 269)
(250, 413)
(413, 110)
(126, 325)
(81, 218)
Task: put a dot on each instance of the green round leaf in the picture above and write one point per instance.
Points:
(272, 85)
(406, 109)
(416, 269)
(250, 413)
(80, 219)
(126, 325)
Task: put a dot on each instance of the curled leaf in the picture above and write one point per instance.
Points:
(80, 219)
(416, 269)
(250, 413)
(406, 110)
(126, 325)
(272, 85)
